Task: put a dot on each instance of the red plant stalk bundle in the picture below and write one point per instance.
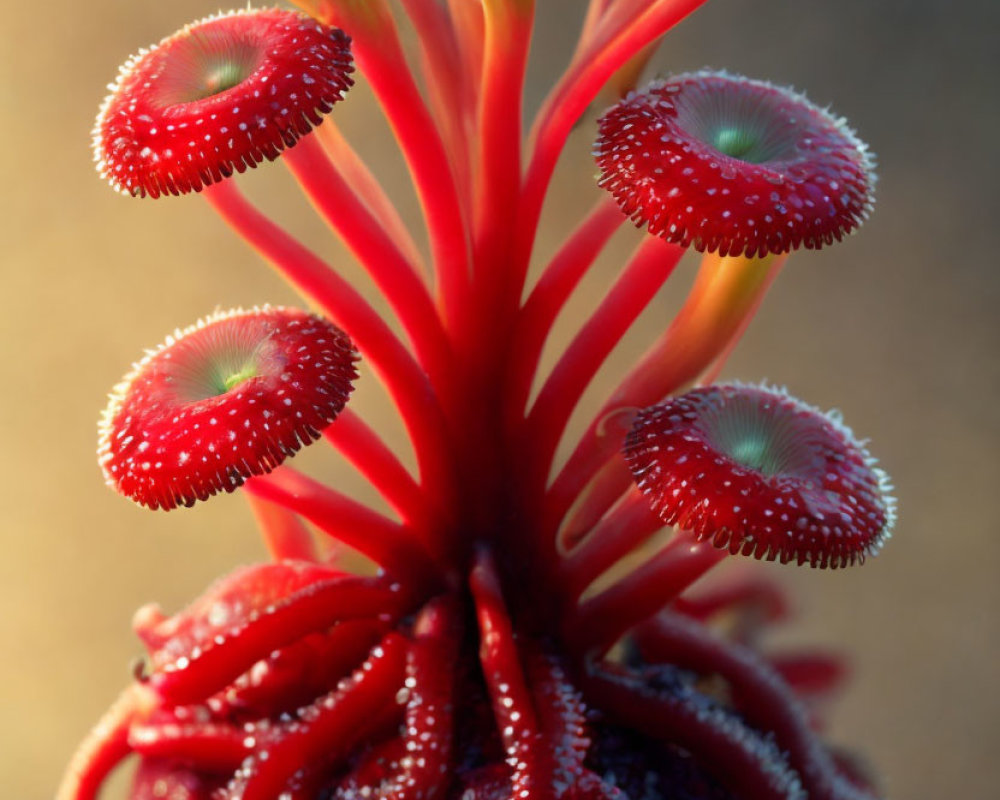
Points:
(500, 649)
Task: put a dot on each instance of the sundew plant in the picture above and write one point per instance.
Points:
(530, 627)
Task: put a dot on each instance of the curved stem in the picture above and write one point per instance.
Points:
(600, 621)
(639, 282)
(381, 60)
(284, 533)
(744, 761)
(216, 747)
(367, 187)
(449, 85)
(363, 448)
(554, 287)
(759, 693)
(383, 541)
(337, 723)
(567, 102)
(507, 30)
(407, 384)
(727, 291)
(313, 608)
(106, 745)
(394, 275)
(620, 532)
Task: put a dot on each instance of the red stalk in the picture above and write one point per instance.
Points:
(212, 746)
(529, 331)
(381, 60)
(367, 187)
(421, 511)
(385, 542)
(646, 272)
(371, 456)
(567, 102)
(449, 85)
(507, 30)
(430, 707)
(308, 783)
(620, 532)
(554, 287)
(513, 707)
(759, 693)
(406, 382)
(468, 21)
(600, 621)
(395, 276)
(607, 488)
(727, 291)
(220, 747)
(284, 533)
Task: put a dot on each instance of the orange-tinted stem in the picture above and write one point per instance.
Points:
(360, 178)
(712, 374)
(468, 21)
(507, 31)
(285, 535)
(450, 86)
(726, 293)
(105, 746)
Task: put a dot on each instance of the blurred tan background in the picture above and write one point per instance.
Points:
(897, 327)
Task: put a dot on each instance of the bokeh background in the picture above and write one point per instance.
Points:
(898, 327)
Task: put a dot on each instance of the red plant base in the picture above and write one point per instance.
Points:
(294, 680)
